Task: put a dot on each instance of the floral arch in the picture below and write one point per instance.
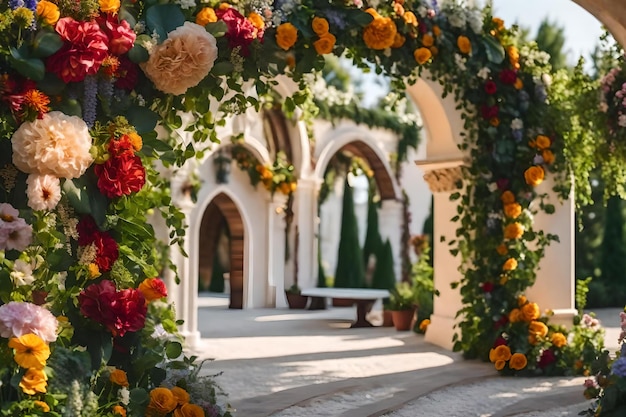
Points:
(93, 83)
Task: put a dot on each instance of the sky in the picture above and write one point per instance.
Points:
(582, 30)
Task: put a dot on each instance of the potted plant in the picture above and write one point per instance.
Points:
(402, 305)
(294, 297)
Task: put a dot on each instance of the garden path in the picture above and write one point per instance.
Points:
(294, 363)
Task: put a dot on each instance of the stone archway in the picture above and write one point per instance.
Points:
(223, 207)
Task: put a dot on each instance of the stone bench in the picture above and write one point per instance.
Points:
(364, 299)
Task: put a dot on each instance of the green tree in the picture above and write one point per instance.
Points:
(551, 39)
(384, 275)
(373, 240)
(613, 257)
(350, 272)
(217, 275)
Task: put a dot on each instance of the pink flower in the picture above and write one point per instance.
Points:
(15, 233)
(241, 32)
(20, 318)
(86, 46)
(121, 35)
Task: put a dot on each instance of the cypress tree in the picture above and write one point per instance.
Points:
(384, 275)
(349, 272)
(613, 259)
(217, 275)
(373, 242)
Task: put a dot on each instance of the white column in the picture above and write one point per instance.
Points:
(306, 219)
(442, 183)
(555, 285)
(390, 225)
(275, 295)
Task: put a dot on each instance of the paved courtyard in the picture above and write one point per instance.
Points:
(300, 363)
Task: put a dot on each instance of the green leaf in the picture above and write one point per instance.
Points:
(222, 68)
(84, 195)
(157, 144)
(164, 18)
(494, 50)
(359, 17)
(138, 54)
(142, 118)
(59, 260)
(173, 350)
(549, 208)
(46, 43)
(217, 29)
(32, 68)
(51, 84)
(139, 396)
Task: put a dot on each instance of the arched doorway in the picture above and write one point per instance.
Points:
(222, 219)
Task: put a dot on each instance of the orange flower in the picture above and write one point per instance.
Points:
(286, 35)
(434, 50)
(422, 55)
(118, 410)
(534, 175)
(325, 44)
(380, 33)
(398, 41)
(205, 16)
(512, 210)
(464, 44)
(162, 401)
(181, 395)
(502, 249)
(507, 197)
(118, 377)
(256, 20)
(48, 12)
(34, 381)
(427, 40)
(494, 121)
(519, 84)
(93, 270)
(498, 22)
(537, 328)
(500, 353)
(152, 289)
(509, 265)
(518, 361)
(513, 56)
(42, 405)
(424, 325)
(398, 8)
(530, 311)
(109, 6)
(189, 410)
(521, 300)
(37, 101)
(515, 315)
(513, 231)
(320, 25)
(500, 365)
(548, 156)
(135, 140)
(558, 339)
(437, 30)
(30, 351)
(542, 142)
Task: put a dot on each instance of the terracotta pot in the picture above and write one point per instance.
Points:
(342, 302)
(296, 301)
(402, 319)
(387, 318)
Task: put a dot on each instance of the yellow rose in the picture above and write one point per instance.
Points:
(518, 361)
(256, 20)
(537, 328)
(559, 340)
(110, 6)
(161, 401)
(398, 41)
(48, 12)
(509, 265)
(422, 55)
(512, 210)
(542, 142)
(534, 175)
(181, 395)
(34, 381)
(502, 249)
(320, 25)
(286, 35)
(189, 410)
(118, 377)
(500, 353)
(513, 56)
(410, 19)
(521, 300)
(548, 156)
(42, 405)
(325, 44)
(530, 311)
(499, 365)
(427, 40)
(513, 231)
(515, 315)
(205, 16)
(507, 197)
(380, 33)
(464, 44)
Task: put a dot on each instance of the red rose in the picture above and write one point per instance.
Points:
(87, 231)
(487, 112)
(487, 286)
(547, 358)
(96, 302)
(241, 32)
(503, 184)
(490, 87)
(107, 251)
(126, 74)
(508, 76)
(121, 175)
(121, 36)
(499, 341)
(86, 46)
(130, 312)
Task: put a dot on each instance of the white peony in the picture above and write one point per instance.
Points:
(56, 144)
(43, 191)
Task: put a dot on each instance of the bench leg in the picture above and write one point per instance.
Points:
(362, 307)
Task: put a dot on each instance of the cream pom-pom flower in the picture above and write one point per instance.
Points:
(182, 60)
(43, 191)
(56, 144)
